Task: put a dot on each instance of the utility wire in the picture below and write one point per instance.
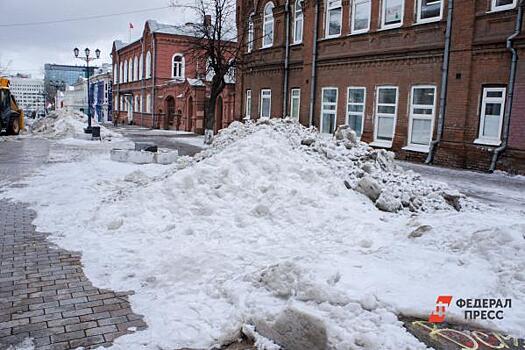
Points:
(81, 18)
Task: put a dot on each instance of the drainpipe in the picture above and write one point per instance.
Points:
(444, 85)
(287, 57)
(314, 66)
(142, 81)
(510, 90)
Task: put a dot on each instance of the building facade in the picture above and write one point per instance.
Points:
(101, 96)
(417, 77)
(75, 96)
(158, 82)
(29, 94)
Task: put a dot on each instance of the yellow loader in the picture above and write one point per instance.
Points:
(11, 116)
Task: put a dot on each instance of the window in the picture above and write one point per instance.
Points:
(355, 109)
(333, 18)
(422, 111)
(386, 113)
(266, 103)
(115, 73)
(248, 107)
(125, 71)
(148, 65)
(130, 70)
(295, 103)
(392, 13)
(148, 103)
(360, 16)
(249, 40)
(268, 25)
(491, 116)
(501, 5)
(328, 110)
(178, 66)
(298, 22)
(141, 66)
(429, 10)
(136, 69)
(121, 75)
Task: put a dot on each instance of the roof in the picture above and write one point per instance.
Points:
(156, 27)
(119, 44)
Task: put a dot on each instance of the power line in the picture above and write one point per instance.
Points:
(76, 19)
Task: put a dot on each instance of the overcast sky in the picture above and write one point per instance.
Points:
(27, 48)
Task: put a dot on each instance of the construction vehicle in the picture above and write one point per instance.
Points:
(11, 116)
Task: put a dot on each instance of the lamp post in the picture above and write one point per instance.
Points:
(87, 59)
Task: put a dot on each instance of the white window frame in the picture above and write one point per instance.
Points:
(412, 115)
(298, 22)
(148, 103)
(385, 143)
(182, 66)
(268, 19)
(329, 111)
(130, 70)
(263, 91)
(141, 66)
(248, 106)
(298, 98)
(136, 69)
(327, 18)
(419, 11)
(383, 16)
(251, 34)
(115, 73)
(495, 8)
(352, 19)
(348, 103)
(148, 65)
(484, 140)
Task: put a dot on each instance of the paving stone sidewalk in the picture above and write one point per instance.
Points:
(45, 295)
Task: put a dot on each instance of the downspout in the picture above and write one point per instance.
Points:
(510, 93)
(444, 85)
(143, 81)
(153, 72)
(314, 65)
(286, 57)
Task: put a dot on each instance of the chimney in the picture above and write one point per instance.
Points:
(207, 20)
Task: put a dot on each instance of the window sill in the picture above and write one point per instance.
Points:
(265, 47)
(393, 26)
(417, 148)
(487, 142)
(299, 43)
(381, 144)
(427, 21)
(506, 8)
(361, 32)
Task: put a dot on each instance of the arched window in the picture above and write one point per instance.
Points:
(249, 39)
(115, 73)
(130, 70)
(148, 103)
(148, 65)
(136, 69)
(121, 73)
(298, 22)
(136, 106)
(268, 25)
(126, 71)
(178, 66)
(141, 66)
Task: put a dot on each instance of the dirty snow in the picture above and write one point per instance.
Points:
(268, 218)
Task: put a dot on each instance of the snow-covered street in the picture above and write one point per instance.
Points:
(275, 217)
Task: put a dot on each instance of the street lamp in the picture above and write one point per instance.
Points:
(87, 59)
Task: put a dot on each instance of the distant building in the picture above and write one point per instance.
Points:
(29, 93)
(101, 98)
(75, 96)
(159, 83)
(58, 77)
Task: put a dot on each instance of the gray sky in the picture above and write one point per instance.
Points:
(28, 48)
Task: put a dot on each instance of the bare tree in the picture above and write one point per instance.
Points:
(4, 67)
(216, 43)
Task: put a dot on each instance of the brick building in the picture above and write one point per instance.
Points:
(159, 82)
(377, 66)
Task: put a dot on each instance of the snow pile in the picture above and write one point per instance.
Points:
(62, 123)
(362, 168)
(27, 344)
(261, 223)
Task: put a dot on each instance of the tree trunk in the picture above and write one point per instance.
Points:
(210, 119)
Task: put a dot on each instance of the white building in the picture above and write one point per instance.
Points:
(29, 93)
(101, 95)
(75, 96)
